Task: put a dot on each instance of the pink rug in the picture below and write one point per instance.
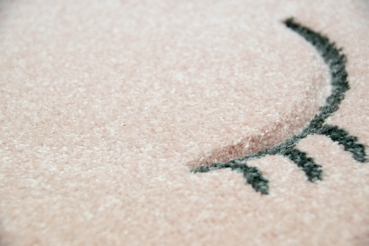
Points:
(166, 122)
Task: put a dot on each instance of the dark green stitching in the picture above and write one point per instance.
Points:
(336, 62)
(343, 138)
(312, 170)
(251, 174)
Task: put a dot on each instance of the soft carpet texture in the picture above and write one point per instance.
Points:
(113, 113)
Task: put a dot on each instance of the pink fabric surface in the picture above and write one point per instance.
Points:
(106, 105)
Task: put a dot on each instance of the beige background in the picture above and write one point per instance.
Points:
(104, 106)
